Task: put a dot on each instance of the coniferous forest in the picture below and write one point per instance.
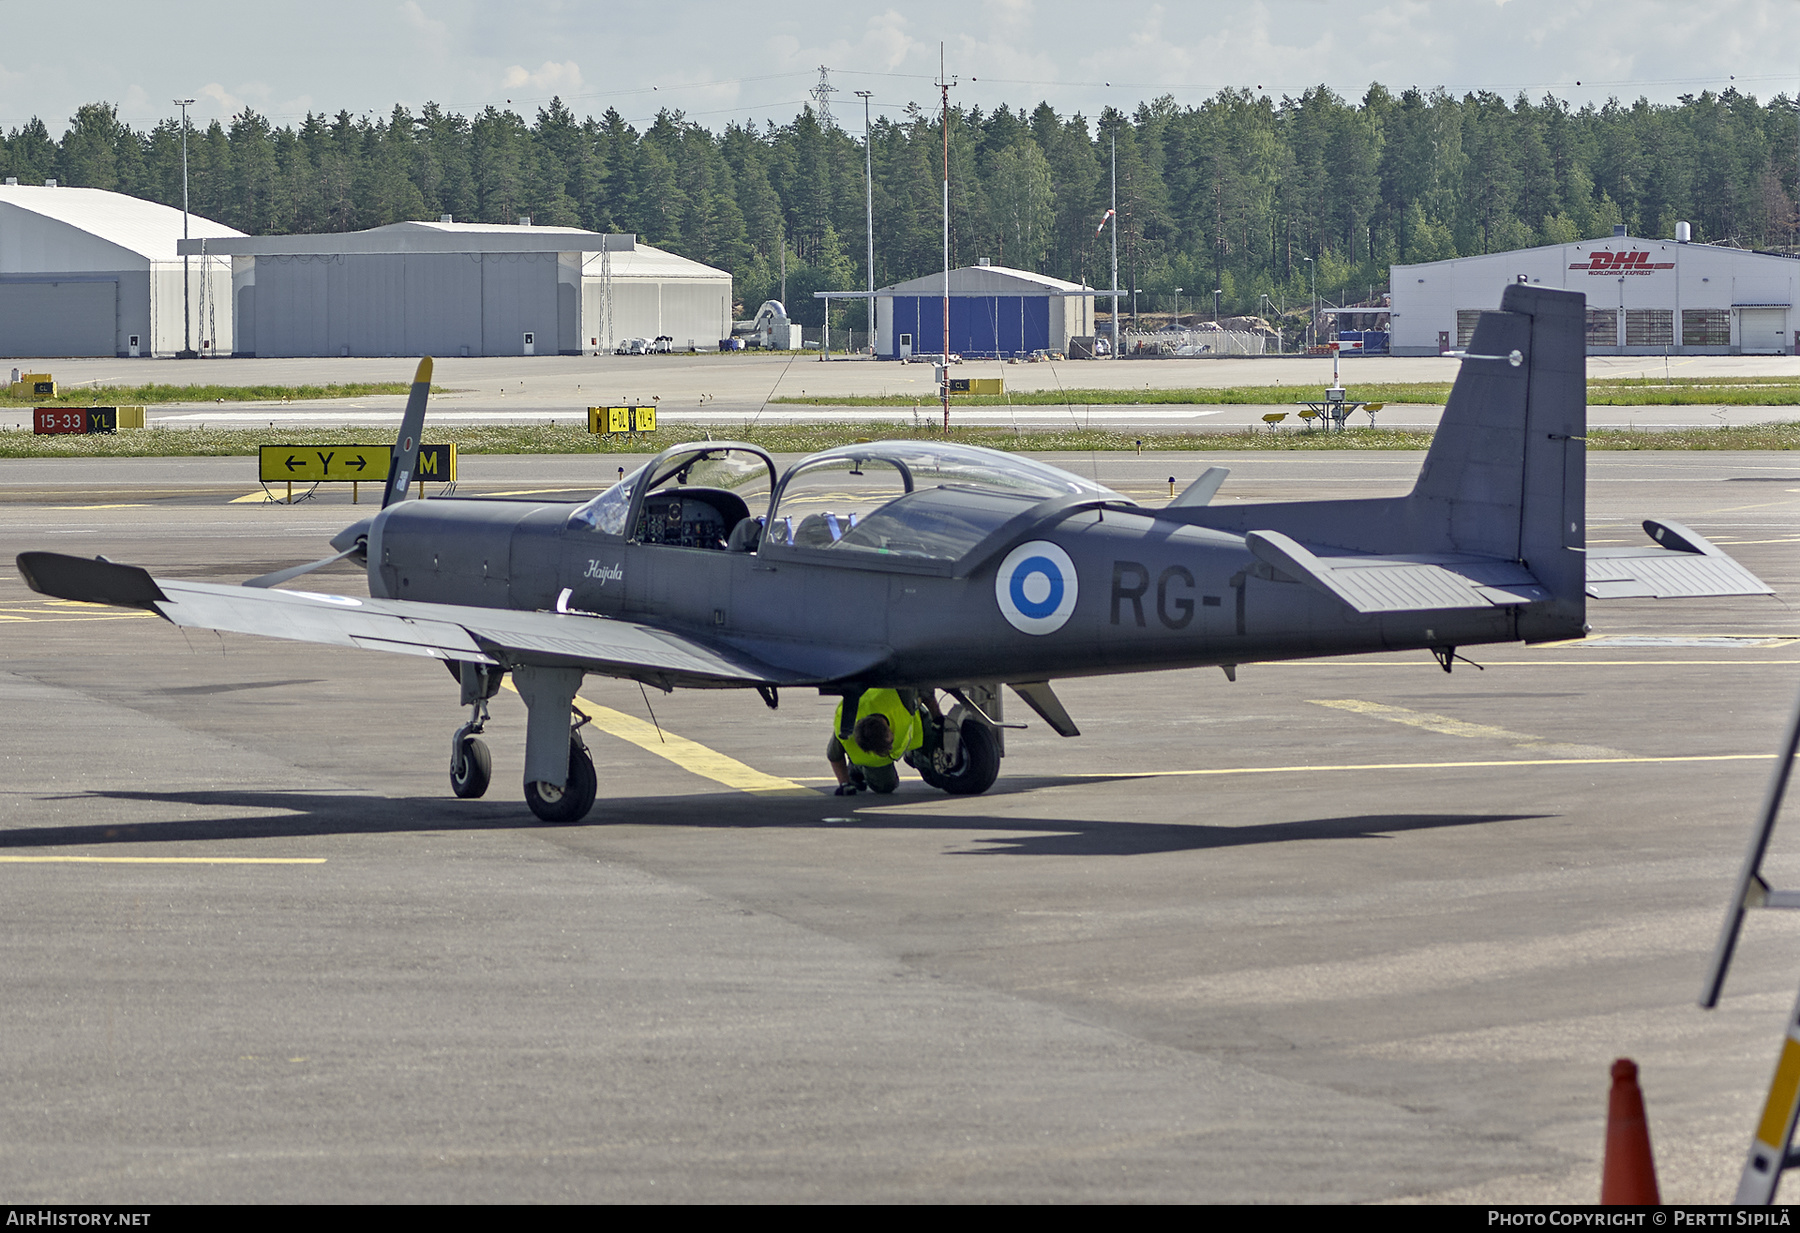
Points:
(1237, 193)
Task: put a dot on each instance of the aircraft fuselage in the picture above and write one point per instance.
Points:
(1151, 594)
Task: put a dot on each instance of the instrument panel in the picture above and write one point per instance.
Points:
(683, 520)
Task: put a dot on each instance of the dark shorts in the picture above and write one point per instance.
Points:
(882, 779)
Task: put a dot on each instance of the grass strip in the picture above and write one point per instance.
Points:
(1603, 392)
(158, 395)
(806, 438)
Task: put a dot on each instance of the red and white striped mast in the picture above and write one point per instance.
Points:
(944, 84)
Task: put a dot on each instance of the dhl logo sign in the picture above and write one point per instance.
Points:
(1635, 262)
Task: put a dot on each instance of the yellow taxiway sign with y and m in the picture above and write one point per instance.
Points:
(313, 464)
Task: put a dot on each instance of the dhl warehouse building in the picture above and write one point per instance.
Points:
(1644, 297)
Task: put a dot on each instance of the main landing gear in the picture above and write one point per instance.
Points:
(560, 782)
(571, 800)
(966, 761)
(961, 754)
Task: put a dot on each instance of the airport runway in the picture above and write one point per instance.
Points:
(1346, 931)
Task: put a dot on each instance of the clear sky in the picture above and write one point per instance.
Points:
(740, 61)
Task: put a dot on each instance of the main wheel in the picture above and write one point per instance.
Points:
(472, 768)
(571, 802)
(976, 767)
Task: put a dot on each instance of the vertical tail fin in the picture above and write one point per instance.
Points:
(1506, 473)
(406, 445)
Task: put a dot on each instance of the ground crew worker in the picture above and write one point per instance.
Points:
(885, 726)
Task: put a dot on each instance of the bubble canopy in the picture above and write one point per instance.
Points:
(926, 500)
(929, 500)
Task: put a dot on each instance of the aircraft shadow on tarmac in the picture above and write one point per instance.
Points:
(311, 814)
(1062, 837)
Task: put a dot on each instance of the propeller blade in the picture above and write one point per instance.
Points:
(406, 445)
(294, 571)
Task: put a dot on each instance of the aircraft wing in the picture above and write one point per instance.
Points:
(441, 631)
(1686, 564)
(1406, 583)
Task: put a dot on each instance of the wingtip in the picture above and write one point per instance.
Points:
(423, 376)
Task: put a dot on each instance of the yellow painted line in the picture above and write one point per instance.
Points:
(117, 615)
(1528, 663)
(537, 492)
(688, 755)
(1418, 766)
(162, 860)
(260, 498)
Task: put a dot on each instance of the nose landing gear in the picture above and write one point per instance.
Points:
(471, 766)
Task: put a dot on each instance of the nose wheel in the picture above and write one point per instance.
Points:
(471, 767)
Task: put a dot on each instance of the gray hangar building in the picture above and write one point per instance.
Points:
(993, 311)
(86, 272)
(1644, 297)
(460, 289)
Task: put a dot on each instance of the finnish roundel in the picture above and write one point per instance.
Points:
(1036, 587)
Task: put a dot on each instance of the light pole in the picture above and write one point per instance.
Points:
(187, 340)
(869, 209)
(1178, 308)
(1312, 321)
(1216, 293)
(1114, 213)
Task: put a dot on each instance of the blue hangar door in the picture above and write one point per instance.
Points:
(979, 325)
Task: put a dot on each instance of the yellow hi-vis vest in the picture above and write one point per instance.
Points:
(909, 733)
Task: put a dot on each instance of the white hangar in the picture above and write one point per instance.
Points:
(1644, 297)
(449, 288)
(87, 272)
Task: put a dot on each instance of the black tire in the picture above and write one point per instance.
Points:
(572, 802)
(471, 772)
(977, 763)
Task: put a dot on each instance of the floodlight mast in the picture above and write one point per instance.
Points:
(944, 84)
(1115, 211)
(187, 338)
(869, 208)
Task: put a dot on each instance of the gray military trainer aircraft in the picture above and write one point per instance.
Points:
(934, 566)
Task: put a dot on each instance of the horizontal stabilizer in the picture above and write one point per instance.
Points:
(1687, 566)
(1401, 583)
(1203, 489)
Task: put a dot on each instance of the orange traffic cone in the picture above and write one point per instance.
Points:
(1629, 1176)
